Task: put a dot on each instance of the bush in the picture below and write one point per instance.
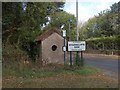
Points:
(12, 56)
(79, 61)
(103, 43)
(31, 48)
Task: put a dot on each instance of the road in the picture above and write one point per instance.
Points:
(109, 64)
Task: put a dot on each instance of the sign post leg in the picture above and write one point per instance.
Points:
(64, 52)
(64, 57)
(82, 63)
(70, 58)
(77, 58)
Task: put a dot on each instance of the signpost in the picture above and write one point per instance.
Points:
(76, 46)
(70, 21)
(64, 48)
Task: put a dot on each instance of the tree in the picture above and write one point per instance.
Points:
(105, 24)
(35, 17)
(115, 10)
(22, 22)
(10, 22)
(64, 19)
(89, 29)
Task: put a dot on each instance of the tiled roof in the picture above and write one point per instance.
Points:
(47, 33)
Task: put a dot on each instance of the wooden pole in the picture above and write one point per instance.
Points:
(77, 30)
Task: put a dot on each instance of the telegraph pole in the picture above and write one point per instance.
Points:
(81, 61)
(77, 16)
(77, 54)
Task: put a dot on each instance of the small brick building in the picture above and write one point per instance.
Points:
(51, 43)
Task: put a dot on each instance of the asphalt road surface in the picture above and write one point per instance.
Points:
(108, 64)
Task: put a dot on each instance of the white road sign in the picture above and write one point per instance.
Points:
(64, 48)
(64, 33)
(76, 45)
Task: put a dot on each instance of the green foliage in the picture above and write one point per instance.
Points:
(10, 14)
(118, 44)
(102, 31)
(32, 50)
(87, 70)
(79, 61)
(103, 43)
(11, 20)
(22, 22)
(103, 39)
(66, 19)
(11, 57)
(106, 23)
(29, 70)
(12, 53)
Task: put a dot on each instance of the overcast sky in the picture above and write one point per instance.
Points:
(88, 8)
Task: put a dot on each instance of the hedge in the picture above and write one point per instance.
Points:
(103, 43)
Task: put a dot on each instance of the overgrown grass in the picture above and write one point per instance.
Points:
(54, 76)
(49, 70)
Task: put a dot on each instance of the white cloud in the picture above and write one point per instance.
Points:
(83, 13)
(88, 8)
(70, 7)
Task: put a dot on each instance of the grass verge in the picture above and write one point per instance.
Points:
(49, 70)
(56, 76)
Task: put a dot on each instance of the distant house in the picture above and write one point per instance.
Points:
(51, 43)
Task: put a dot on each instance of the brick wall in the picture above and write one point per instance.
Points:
(50, 56)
